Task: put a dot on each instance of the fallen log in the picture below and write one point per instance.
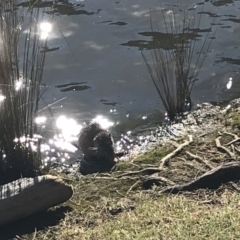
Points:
(27, 196)
(212, 179)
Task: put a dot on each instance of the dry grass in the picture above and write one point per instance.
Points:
(175, 218)
(165, 217)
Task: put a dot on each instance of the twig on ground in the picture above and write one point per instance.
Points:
(231, 134)
(233, 150)
(183, 159)
(211, 201)
(120, 193)
(35, 234)
(165, 160)
(233, 141)
(236, 149)
(134, 158)
(202, 135)
(175, 144)
(187, 163)
(200, 159)
(234, 185)
(219, 146)
(131, 188)
(149, 165)
(134, 164)
(145, 170)
(74, 202)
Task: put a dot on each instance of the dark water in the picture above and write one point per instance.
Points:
(99, 67)
(94, 65)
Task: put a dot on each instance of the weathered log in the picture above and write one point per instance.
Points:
(27, 196)
(212, 179)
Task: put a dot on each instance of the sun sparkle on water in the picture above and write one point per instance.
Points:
(45, 29)
(69, 127)
(104, 122)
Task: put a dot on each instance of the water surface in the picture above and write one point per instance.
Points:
(94, 64)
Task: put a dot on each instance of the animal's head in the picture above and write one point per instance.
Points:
(103, 139)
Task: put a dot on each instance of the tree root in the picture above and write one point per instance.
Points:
(212, 179)
(233, 141)
(148, 171)
(219, 146)
(115, 178)
(200, 159)
(148, 182)
(231, 134)
(166, 159)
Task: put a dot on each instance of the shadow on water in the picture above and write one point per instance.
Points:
(118, 23)
(62, 7)
(105, 102)
(220, 3)
(233, 20)
(213, 15)
(34, 223)
(110, 103)
(72, 87)
(235, 61)
(165, 41)
(46, 49)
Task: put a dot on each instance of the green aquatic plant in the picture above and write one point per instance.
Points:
(21, 68)
(175, 68)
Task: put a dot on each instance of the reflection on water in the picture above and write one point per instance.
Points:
(2, 97)
(40, 120)
(69, 127)
(103, 121)
(229, 84)
(45, 29)
(19, 84)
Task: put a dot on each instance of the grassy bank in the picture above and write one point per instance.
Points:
(145, 215)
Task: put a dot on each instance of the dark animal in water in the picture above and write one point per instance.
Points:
(96, 143)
